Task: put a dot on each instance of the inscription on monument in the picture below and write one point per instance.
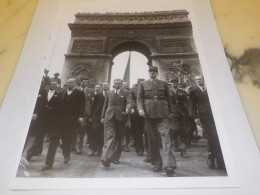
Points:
(87, 46)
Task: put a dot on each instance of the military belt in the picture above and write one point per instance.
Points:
(155, 98)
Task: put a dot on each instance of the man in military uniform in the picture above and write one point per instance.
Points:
(180, 124)
(137, 122)
(154, 103)
(203, 116)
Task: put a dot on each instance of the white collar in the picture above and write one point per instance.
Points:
(117, 91)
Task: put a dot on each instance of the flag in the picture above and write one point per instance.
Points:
(126, 77)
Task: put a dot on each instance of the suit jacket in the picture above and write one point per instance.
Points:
(71, 106)
(180, 103)
(200, 103)
(47, 111)
(97, 106)
(154, 99)
(114, 105)
(89, 96)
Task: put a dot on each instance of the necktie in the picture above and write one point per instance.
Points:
(204, 89)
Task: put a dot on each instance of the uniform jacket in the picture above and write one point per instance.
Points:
(154, 99)
(97, 106)
(71, 106)
(180, 103)
(200, 103)
(114, 105)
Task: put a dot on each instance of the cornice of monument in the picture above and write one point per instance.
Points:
(129, 18)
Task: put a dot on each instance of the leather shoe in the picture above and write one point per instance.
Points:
(29, 156)
(78, 151)
(211, 162)
(91, 153)
(184, 154)
(105, 163)
(157, 168)
(66, 159)
(169, 171)
(116, 162)
(46, 167)
(147, 160)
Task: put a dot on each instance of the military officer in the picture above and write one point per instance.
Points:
(154, 103)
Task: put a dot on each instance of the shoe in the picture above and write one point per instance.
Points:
(116, 162)
(140, 153)
(46, 167)
(66, 159)
(169, 171)
(157, 168)
(78, 151)
(211, 162)
(127, 149)
(91, 153)
(29, 156)
(105, 163)
(184, 154)
(147, 160)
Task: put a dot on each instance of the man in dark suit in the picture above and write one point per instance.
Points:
(203, 116)
(180, 124)
(86, 127)
(70, 112)
(46, 116)
(154, 103)
(137, 122)
(95, 117)
(114, 114)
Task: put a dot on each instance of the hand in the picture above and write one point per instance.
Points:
(141, 113)
(132, 111)
(80, 119)
(125, 113)
(171, 115)
(34, 117)
(102, 121)
(190, 115)
(197, 121)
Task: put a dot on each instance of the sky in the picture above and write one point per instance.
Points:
(138, 66)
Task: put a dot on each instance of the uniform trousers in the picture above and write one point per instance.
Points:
(160, 144)
(64, 132)
(113, 132)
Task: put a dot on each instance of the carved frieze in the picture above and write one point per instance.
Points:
(160, 17)
(87, 46)
(82, 72)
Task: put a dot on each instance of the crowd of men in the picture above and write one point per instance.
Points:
(162, 117)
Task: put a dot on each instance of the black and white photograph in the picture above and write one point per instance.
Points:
(126, 92)
(129, 101)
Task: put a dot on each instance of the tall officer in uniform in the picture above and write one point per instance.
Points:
(154, 103)
(114, 114)
(180, 123)
(203, 116)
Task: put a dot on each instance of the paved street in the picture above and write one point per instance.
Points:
(131, 165)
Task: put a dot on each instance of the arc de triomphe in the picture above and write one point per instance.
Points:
(164, 37)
